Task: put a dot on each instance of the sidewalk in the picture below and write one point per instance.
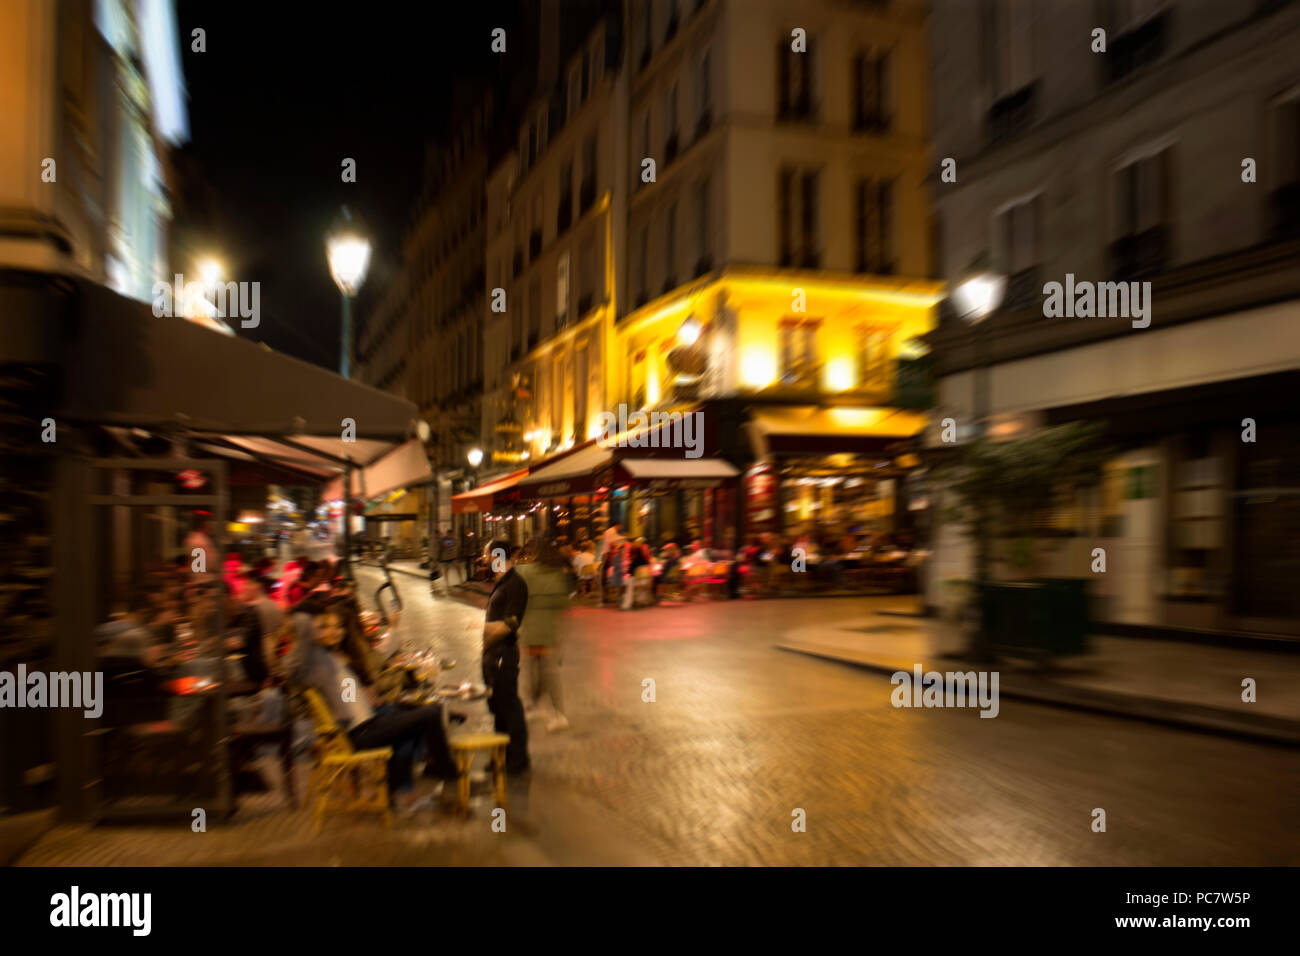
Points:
(1193, 686)
(411, 567)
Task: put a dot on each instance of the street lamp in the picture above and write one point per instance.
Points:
(348, 252)
(977, 295)
(210, 271)
(475, 458)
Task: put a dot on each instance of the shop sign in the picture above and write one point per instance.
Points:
(679, 484)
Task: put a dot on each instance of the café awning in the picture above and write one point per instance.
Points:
(479, 499)
(125, 368)
(812, 430)
(673, 474)
(579, 471)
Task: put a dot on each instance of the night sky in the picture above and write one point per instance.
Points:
(283, 93)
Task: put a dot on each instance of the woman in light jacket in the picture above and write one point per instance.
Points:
(549, 587)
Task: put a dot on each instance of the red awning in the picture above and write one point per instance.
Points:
(480, 499)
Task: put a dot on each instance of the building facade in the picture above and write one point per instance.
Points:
(754, 248)
(93, 103)
(425, 338)
(786, 233)
(1170, 159)
(555, 251)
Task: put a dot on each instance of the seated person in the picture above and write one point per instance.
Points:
(320, 661)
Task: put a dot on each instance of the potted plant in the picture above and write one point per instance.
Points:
(1002, 491)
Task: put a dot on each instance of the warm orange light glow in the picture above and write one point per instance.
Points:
(839, 375)
(758, 366)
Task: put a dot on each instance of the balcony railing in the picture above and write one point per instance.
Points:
(1013, 114)
(1139, 255)
(1024, 290)
(871, 122)
(1136, 48)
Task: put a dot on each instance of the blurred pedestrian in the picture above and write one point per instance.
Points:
(548, 581)
(448, 555)
(610, 542)
(505, 613)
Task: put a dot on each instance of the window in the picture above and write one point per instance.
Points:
(1008, 44)
(670, 124)
(534, 312)
(564, 215)
(644, 127)
(586, 276)
(704, 94)
(647, 31)
(799, 365)
(795, 72)
(588, 193)
(597, 61)
(562, 291)
(873, 233)
(1136, 30)
(1018, 246)
(703, 245)
(643, 265)
(874, 357)
(799, 219)
(1284, 200)
(670, 247)
(1142, 212)
(871, 91)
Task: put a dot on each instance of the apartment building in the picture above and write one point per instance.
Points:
(1171, 158)
(424, 339)
(555, 246)
(93, 103)
(785, 242)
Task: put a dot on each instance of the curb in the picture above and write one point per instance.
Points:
(1211, 720)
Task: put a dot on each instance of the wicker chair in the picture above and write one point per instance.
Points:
(344, 780)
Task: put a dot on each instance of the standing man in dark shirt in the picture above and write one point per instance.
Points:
(505, 611)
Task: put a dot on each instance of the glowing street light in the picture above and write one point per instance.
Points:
(475, 457)
(210, 271)
(348, 252)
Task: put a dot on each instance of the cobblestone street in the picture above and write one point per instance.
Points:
(740, 735)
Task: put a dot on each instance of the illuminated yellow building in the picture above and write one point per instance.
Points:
(753, 246)
(787, 227)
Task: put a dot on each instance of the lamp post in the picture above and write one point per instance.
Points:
(475, 458)
(977, 295)
(348, 252)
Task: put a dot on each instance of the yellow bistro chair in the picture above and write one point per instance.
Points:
(463, 749)
(344, 780)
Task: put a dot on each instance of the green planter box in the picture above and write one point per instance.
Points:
(1047, 617)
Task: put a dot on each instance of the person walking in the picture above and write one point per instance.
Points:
(610, 542)
(505, 613)
(549, 587)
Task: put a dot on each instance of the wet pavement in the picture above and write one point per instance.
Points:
(741, 739)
